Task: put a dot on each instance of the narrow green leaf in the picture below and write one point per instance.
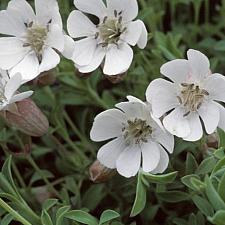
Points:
(60, 214)
(45, 218)
(191, 164)
(220, 164)
(221, 187)
(221, 137)
(49, 203)
(206, 165)
(160, 179)
(108, 215)
(140, 199)
(218, 218)
(7, 219)
(186, 180)
(173, 196)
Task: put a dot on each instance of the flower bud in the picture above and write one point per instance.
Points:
(45, 78)
(27, 118)
(115, 79)
(99, 173)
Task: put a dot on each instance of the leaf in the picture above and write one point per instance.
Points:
(49, 203)
(108, 215)
(221, 137)
(36, 176)
(213, 196)
(187, 180)
(160, 179)
(220, 45)
(173, 196)
(206, 165)
(82, 217)
(8, 218)
(140, 199)
(221, 187)
(191, 164)
(203, 205)
(220, 164)
(60, 214)
(218, 218)
(45, 218)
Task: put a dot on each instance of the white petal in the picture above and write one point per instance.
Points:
(50, 59)
(134, 99)
(12, 52)
(69, 46)
(162, 95)
(21, 96)
(215, 85)
(176, 70)
(118, 59)
(176, 123)
(150, 156)
(143, 40)
(163, 162)
(12, 86)
(10, 25)
(195, 127)
(129, 161)
(199, 64)
(55, 38)
(133, 32)
(28, 67)
(210, 114)
(95, 63)
(108, 124)
(222, 117)
(94, 7)
(79, 25)
(129, 8)
(23, 9)
(109, 153)
(165, 139)
(48, 11)
(84, 51)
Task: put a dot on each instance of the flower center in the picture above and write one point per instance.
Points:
(35, 38)
(111, 29)
(136, 131)
(191, 97)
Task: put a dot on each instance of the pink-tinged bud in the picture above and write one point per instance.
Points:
(99, 173)
(45, 78)
(27, 118)
(115, 79)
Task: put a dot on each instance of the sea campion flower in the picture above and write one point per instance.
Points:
(138, 139)
(109, 41)
(34, 38)
(8, 91)
(191, 97)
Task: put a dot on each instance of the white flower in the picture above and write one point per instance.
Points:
(192, 96)
(109, 41)
(138, 139)
(34, 38)
(8, 91)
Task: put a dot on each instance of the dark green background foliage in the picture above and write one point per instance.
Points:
(60, 160)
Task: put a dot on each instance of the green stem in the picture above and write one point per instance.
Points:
(19, 218)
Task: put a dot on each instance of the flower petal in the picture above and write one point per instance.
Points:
(150, 156)
(129, 161)
(215, 85)
(195, 127)
(128, 13)
(94, 7)
(12, 86)
(10, 24)
(110, 152)
(55, 38)
(176, 123)
(199, 64)
(118, 59)
(222, 117)
(210, 114)
(50, 59)
(162, 95)
(108, 124)
(84, 51)
(22, 9)
(163, 162)
(21, 96)
(79, 25)
(12, 52)
(69, 46)
(28, 67)
(176, 70)
(95, 63)
(165, 139)
(143, 40)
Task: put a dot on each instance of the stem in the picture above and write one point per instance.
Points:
(19, 218)
(39, 171)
